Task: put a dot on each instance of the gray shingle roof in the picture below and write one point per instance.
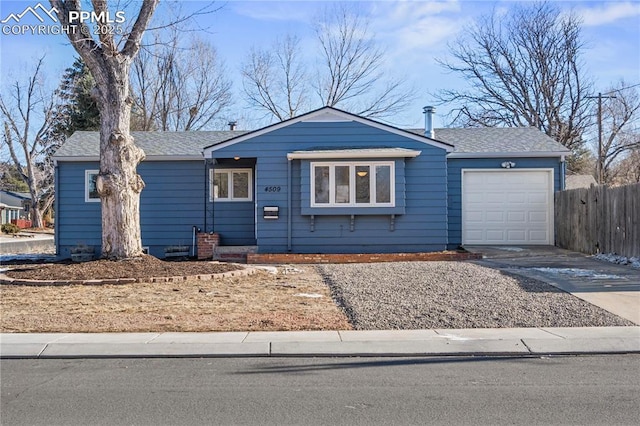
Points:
(497, 139)
(190, 144)
(181, 144)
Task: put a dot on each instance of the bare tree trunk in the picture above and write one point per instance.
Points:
(36, 217)
(118, 184)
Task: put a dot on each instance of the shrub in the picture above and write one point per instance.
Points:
(10, 228)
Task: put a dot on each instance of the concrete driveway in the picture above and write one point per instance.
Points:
(615, 288)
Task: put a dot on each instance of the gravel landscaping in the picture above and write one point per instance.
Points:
(424, 295)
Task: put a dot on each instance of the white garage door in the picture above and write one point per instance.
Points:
(507, 206)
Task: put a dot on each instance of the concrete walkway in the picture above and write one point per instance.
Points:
(465, 342)
(615, 288)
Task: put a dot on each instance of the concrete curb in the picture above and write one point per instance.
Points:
(374, 343)
(4, 279)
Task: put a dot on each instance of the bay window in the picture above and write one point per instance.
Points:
(353, 184)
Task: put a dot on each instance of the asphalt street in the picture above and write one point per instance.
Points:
(307, 391)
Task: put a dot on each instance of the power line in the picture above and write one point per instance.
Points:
(622, 88)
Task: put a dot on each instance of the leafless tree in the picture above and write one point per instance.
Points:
(28, 113)
(348, 74)
(628, 169)
(179, 87)
(523, 69)
(109, 59)
(275, 79)
(620, 117)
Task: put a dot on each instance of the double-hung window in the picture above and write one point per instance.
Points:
(231, 185)
(353, 184)
(90, 190)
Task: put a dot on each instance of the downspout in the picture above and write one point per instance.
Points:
(213, 200)
(56, 205)
(289, 205)
(194, 229)
(563, 173)
(204, 205)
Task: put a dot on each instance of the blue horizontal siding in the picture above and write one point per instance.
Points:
(234, 221)
(420, 224)
(170, 205)
(454, 178)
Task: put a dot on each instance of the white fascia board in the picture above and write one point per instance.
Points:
(538, 154)
(328, 114)
(353, 153)
(173, 158)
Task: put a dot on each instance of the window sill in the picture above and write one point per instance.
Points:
(358, 211)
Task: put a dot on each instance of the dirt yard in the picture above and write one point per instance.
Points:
(294, 299)
(143, 267)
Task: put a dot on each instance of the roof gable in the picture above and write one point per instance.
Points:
(328, 114)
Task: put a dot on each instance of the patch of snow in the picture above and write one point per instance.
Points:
(270, 269)
(288, 269)
(310, 295)
(517, 249)
(453, 337)
(578, 273)
(620, 260)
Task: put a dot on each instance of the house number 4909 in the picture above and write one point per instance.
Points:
(271, 189)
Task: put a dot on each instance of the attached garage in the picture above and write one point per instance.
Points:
(507, 206)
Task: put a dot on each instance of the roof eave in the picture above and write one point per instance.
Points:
(78, 159)
(351, 154)
(526, 154)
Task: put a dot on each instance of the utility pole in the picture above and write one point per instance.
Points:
(600, 162)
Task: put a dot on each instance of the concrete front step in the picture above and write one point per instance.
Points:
(234, 253)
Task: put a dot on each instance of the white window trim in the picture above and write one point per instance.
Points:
(87, 173)
(352, 187)
(230, 172)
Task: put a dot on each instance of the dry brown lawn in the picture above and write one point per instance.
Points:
(262, 301)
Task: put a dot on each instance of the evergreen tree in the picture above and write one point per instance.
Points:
(78, 109)
(11, 178)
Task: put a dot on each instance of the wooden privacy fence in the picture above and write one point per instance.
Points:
(599, 220)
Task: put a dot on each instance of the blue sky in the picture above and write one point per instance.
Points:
(414, 33)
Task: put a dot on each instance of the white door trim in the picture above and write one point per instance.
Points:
(550, 200)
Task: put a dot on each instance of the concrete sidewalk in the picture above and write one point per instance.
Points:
(439, 342)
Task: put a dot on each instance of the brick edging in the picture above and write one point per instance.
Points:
(359, 257)
(4, 279)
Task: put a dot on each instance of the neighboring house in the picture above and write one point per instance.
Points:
(14, 205)
(326, 182)
(579, 181)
